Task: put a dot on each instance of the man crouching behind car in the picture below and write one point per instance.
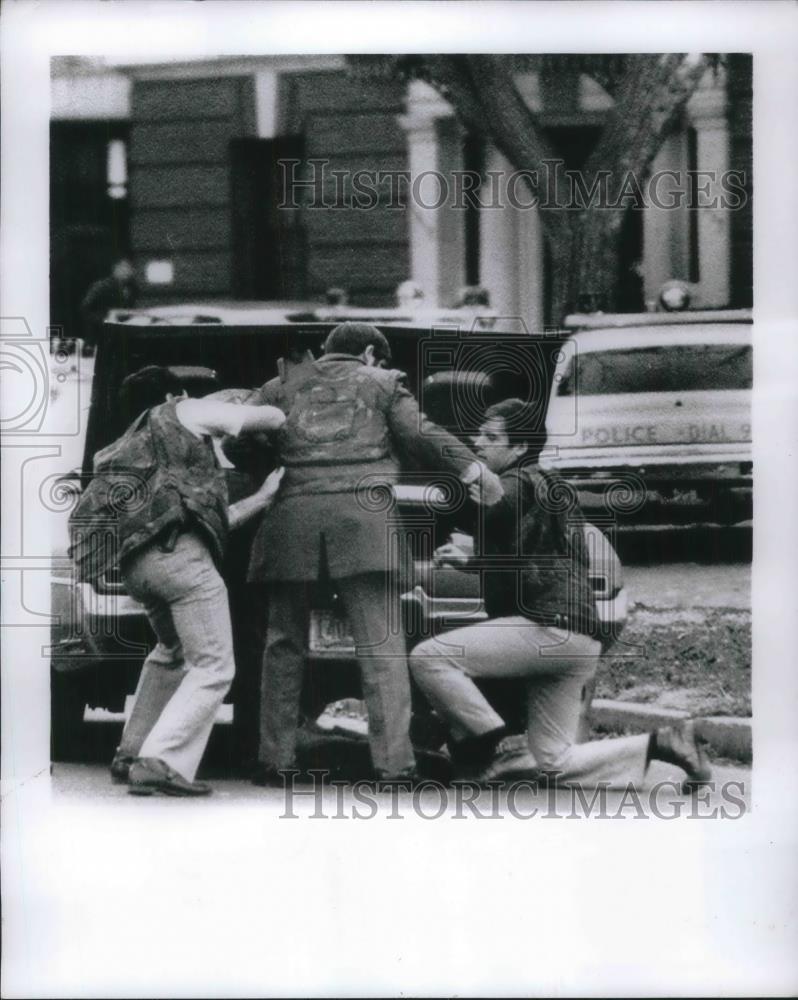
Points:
(170, 550)
(541, 628)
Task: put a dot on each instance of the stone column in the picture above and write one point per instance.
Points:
(511, 245)
(707, 110)
(266, 93)
(530, 273)
(666, 234)
(436, 230)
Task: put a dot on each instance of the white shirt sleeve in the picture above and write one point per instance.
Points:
(212, 417)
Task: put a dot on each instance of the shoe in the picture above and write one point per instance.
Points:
(148, 776)
(682, 746)
(266, 776)
(404, 782)
(120, 767)
(510, 761)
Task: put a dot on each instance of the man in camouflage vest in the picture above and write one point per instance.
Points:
(170, 553)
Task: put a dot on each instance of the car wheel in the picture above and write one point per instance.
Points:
(67, 705)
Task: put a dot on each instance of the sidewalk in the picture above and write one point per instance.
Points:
(710, 586)
(727, 736)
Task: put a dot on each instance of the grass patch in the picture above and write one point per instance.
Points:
(696, 661)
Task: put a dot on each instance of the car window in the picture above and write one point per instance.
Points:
(673, 368)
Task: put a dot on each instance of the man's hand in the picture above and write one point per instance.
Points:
(268, 489)
(450, 555)
(484, 486)
(472, 473)
(244, 510)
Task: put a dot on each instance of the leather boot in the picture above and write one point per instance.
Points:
(681, 745)
(120, 767)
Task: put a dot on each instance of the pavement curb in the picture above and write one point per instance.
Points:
(728, 736)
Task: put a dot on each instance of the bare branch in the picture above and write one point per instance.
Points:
(653, 93)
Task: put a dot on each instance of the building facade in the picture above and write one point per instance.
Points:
(233, 178)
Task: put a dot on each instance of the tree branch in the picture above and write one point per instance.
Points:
(654, 91)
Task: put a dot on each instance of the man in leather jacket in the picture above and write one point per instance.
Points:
(541, 628)
(349, 425)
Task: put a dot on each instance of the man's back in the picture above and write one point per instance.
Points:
(338, 424)
(349, 427)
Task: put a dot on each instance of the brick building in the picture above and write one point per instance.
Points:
(179, 165)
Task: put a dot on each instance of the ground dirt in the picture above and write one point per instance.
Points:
(693, 659)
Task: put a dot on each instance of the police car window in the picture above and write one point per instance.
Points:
(677, 368)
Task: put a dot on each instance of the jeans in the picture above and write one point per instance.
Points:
(381, 656)
(188, 673)
(556, 665)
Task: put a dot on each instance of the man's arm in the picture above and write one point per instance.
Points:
(262, 418)
(431, 445)
(216, 418)
(501, 519)
(94, 307)
(423, 440)
(244, 510)
(94, 304)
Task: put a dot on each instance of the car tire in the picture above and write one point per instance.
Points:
(67, 705)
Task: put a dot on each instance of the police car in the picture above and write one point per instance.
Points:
(650, 414)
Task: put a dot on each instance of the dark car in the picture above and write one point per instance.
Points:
(99, 633)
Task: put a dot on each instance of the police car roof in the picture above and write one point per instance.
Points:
(670, 335)
(288, 313)
(616, 321)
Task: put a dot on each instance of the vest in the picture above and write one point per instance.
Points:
(200, 485)
(156, 477)
(336, 430)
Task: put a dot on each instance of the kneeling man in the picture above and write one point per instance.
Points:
(542, 627)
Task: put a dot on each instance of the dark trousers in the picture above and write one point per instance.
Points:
(373, 610)
(248, 616)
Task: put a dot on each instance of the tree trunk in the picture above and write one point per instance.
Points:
(595, 261)
(652, 92)
(649, 92)
(584, 263)
(562, 244)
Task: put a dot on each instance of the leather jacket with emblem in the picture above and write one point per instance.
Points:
(346, 420)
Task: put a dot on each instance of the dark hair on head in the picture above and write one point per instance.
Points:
(147, 388)
(292, 345)
(354, 338)
(519, 422)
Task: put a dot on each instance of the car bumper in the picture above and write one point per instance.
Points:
(663, 492)
(90, 628)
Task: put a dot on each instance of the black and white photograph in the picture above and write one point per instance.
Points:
(397, 430)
